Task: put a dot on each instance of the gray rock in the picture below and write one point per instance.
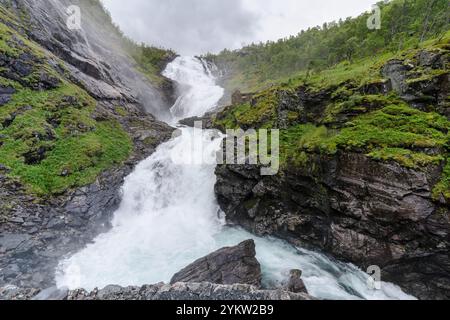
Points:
(296, 283)
(22, 68)
(396, 72)
(52, 293)
(16, 220)
(10, 241)
(430, 59)
(234, 265)
(357, 209)
(187, 291)
(6, 94)
(47, 82)
(205, 120)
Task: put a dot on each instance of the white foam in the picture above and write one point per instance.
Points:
(198, 92)
(169, 217)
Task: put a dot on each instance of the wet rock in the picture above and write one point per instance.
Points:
(23, 69)
(10, 241)
(357, 209)
(55, 223)
(296, 283)
(6, 94)
(396, 72)
(205, 121)
(52, 293)
(187, 291)
(47, 82)
(226, 266)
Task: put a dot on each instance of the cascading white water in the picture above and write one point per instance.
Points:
(169, 217)
(198, 92)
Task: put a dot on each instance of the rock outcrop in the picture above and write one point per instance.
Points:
(296, 284)
(359, 208)
(233, 265)
(423, 91)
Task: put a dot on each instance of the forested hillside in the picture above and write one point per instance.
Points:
(404, 24)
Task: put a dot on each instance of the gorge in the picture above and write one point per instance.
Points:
(103, 185)
(169, 217)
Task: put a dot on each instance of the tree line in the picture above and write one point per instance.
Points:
(404, 24)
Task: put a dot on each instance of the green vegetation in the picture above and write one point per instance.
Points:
(396, 132)
(297, 142)
(333, 67)
(396, 126)
(359, 72)
(442, 189)
(49, 139)
(151, 61)
(260, 114)
(55, 144)
(405, 24)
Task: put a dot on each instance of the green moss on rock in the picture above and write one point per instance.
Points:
(442, 188)
(49, 140)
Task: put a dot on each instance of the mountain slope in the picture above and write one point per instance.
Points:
(364, 164)
(404, 24)
(75, 117)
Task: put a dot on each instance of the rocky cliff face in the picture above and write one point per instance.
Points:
(357, 209)
(73, 87)
(95, 54)
(333, 193)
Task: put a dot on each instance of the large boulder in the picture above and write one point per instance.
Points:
(296, 284)
(231, 265)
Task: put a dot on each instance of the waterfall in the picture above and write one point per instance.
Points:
(198, 92)
(169, 216)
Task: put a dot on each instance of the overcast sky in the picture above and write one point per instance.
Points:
(199, 26)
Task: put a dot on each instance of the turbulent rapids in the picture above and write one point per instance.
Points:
(169, 216)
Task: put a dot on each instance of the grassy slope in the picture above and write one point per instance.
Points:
(383, 127)
(56, 123)
(152, 61)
